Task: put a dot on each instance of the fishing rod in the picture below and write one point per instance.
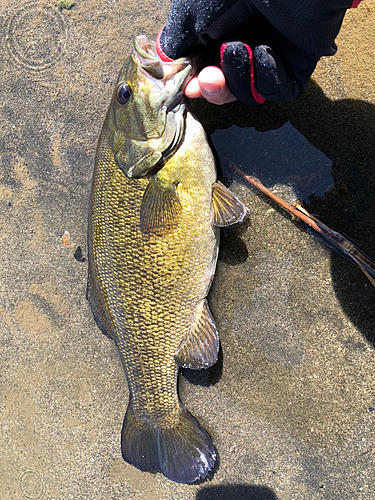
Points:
(336, 239)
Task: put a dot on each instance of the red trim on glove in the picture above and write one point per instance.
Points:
(355, 4)
(160, 52)
(259, 98)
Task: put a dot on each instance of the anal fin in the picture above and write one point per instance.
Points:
(226, 207)
(201, 348)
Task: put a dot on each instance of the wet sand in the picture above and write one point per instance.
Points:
(291, 403)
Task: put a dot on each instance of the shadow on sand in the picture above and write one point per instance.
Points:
(236, 492)
(344, 132)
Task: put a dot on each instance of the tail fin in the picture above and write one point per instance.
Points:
(183, 453)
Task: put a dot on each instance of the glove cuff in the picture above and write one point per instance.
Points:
(355, 4)
(257, 97)
(160, 52)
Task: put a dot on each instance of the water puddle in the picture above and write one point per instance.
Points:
(282, 156)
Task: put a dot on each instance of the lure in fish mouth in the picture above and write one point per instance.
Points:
(153, 90)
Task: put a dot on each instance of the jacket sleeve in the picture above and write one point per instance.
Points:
(310, 25)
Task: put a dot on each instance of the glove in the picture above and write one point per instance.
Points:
(268, 49)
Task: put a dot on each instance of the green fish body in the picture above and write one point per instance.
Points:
(155, 212)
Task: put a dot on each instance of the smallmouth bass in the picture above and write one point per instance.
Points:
(154, 218)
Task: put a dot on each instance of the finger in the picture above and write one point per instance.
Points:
(237, 66)
(213, 86)
(271, 79)
(192, 89)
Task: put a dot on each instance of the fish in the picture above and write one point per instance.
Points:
(155, 213)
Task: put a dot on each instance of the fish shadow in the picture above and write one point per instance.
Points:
(344, 131)
(236, 492)
(207, 377)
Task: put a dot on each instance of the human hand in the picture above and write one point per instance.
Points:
(243, 33)
(210, 84)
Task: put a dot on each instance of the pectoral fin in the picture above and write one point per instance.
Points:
(160, 208)
(227, 208)
(201, 348)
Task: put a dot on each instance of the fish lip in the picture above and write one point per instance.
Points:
(146, 56)
(145, 48)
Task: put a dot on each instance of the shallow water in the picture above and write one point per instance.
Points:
(290, 404)
(281, 156)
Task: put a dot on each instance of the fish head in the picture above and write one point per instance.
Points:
(146, 114)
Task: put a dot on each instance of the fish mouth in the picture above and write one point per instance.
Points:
(180, 70)
(147, 58)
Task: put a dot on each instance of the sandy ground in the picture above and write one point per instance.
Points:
(291, 403)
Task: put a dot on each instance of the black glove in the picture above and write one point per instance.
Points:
(243, 32)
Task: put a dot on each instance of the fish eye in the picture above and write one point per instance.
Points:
(124, 93)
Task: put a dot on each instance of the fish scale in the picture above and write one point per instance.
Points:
(145, 293)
